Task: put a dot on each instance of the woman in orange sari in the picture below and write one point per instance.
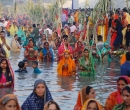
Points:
(84, 94)
(116, 97)
(66, 66)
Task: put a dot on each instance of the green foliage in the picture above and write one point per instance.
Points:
(34, 11)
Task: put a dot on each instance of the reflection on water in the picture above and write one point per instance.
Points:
(65, 89)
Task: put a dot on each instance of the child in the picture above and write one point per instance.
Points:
(35, 66)
(22, 66)
(25, 65)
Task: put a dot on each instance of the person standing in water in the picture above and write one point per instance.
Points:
(116, 97)
(86, 64)
(66, 66)
(6, 74)
(84, 94)
(126, 104)
(39, 97)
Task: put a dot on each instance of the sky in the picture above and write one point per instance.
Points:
(68, 4)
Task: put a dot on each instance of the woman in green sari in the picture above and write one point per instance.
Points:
(126, 96)
(21, 34)
(86, 64)
(106, 52)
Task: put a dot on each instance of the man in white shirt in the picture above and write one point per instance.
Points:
(73, 28)
(48, 29)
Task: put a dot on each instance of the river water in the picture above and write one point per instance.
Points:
(64, 90)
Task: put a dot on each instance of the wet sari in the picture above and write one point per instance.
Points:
(88, 66)
(97, 52)
(87, 103)
(104, 50)
(31, 56)
(69, 69)
(48, 58)
(115, 97)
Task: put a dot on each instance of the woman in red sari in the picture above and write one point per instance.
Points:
(31, 52)
(64, 46)
(79, 48)
(113, 31)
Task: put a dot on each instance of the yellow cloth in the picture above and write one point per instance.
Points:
(5, 48)
(13, 30)
(87, 102)
(124, 32)
(128, 18)
(76, 17)
(102, 30)
(123, 59)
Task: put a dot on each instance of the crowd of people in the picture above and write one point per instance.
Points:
(75, 56)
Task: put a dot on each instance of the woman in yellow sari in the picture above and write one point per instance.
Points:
(13, 29)
(92, 104)
(66, 66)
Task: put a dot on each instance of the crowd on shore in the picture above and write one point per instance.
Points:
(75, 56)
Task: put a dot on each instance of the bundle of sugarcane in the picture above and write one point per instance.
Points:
(101, 8)
(54, 12)
(82, 18)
